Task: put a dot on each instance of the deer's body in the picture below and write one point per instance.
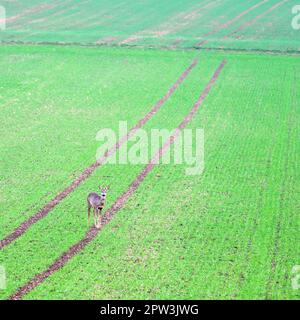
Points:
(96, 202)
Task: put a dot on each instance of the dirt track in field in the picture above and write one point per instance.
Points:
(172, 25)
(229, 22)
(181, 21)
(30, 11)
(119, 203)
(20, 230)
(250, 23)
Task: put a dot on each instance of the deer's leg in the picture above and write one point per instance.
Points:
(95, 217)
(89, 214)
(100, 218)
(98, 221)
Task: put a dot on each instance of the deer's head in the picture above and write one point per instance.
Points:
(103, 195)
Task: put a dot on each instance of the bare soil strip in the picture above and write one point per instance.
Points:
(170, 26)
(228, 23)
(129, 40)
(20, 230)
(120, 202)
(27, 12)
(250, 23)
(106, 40)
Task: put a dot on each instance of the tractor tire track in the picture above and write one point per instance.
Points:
(23, 227)
(250, 23)
(229, 22)
(120, 202)
(177, 24)
(29, 12)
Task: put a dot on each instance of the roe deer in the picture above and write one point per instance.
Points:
(97, 202)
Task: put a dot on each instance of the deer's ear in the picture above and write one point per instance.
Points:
(100, 187)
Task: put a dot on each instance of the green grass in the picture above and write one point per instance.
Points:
(54, 101)
(157, 23)
(228, 233)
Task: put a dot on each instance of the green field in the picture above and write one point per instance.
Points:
(250, 24)
(229, 233)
